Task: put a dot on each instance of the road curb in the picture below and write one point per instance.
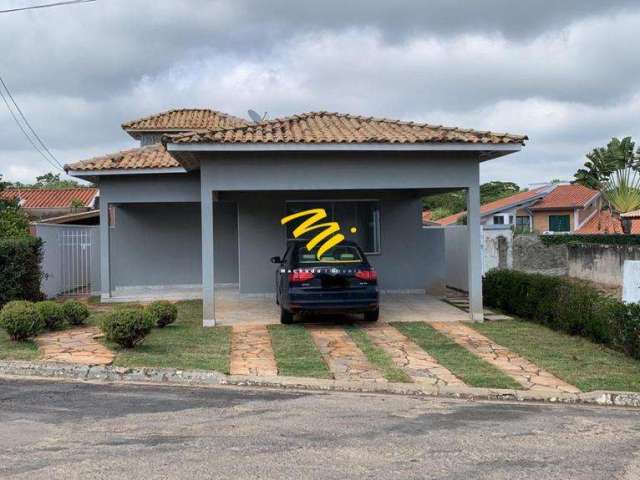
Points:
(204, 378)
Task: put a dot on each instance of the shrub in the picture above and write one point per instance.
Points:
(126, 326)
(52, 314)
(75, 313)
(565, 305)
(20, 273)
(600, 239)
(162, 313)
(21, 320)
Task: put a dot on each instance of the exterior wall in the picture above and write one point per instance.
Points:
(531, 255)
(497, 247)
(602, 264)
(585, 213)
(541, 219)
(411, 258)
(456, 241)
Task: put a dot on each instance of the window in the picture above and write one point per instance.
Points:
(337, 254)
(364, 215)
(498, 220)
(510, 219)
(523, 224)
(559, 223)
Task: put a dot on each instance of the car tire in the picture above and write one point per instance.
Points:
(286, 317)
(372, 316)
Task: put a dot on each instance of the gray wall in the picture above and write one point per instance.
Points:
(456, 246)
(531, 255)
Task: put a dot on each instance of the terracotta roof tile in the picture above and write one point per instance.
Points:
(50, 197)
(185, 119)
(153, 156)
(604, 223)
(497, 205)
(566, 196)
(325, 127)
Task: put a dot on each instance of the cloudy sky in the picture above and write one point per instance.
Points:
(565, 73)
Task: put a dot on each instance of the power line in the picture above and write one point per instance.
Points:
(47, 5)
(15, 118)
(26, 122)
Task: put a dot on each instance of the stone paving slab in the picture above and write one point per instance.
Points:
(77, 345)
(251, 351)
(526, 373)
(418, 364)
(343, 357)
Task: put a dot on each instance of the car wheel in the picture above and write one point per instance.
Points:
(372, 316)
(286, 317)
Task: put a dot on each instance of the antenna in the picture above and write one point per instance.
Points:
(255, 116)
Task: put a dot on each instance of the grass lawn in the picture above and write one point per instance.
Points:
(296, 354)
(465, 365)
(575, 360)
(10, 350)
(183, 344)
(377, 356)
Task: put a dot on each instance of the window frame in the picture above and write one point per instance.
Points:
(565, 215)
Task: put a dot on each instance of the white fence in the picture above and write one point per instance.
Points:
(71, 259)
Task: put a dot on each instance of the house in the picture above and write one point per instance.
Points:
(549, 208)
(40, 203)
(201, 211)
(604, 223)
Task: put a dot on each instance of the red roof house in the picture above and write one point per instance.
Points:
(42, 203)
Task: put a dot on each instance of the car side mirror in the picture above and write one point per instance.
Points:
(276, 260)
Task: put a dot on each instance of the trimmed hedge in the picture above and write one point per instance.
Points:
(569, 306)
(20, 273)
(75, 313)
(21, 320)
(590, 239)
(162, 313)
(126, 326)
(52, 314)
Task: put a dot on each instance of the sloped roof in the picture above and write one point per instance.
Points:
(184, 119)
(325, 127)
(497, 205)
(153, 156)
(51, 197)
(566, 196)
(603, 223)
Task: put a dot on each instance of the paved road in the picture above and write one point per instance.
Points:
(66, 430)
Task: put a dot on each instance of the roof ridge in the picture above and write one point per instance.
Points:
(127, 125)
(119, 153)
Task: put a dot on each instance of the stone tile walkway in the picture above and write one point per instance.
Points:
(418, 364)
(77, 345)
(251, 351)
(526, 373)
(345, 360)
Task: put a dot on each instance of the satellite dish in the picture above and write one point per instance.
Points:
(255, 116)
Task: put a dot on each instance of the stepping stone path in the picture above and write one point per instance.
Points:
(345, 360)
(251, 351)
(419, 365)
(77, 345)
(526, 373)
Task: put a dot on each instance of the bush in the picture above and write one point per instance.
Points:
(126, 326)
(21, 320)
(52, 314)
(162, 313)
(20, 273)
(75, 313)
(565, 305)
(599, 239)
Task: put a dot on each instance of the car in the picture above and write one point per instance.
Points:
(341, 281)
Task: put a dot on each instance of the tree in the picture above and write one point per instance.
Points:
(13, 220)
(622, 193)
(492, 191)
(49, 180)
(603, 161)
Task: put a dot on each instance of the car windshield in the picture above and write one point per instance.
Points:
(337, 254)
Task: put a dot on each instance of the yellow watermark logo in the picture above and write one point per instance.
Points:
(328, 237)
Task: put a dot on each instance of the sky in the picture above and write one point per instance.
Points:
(567, 74)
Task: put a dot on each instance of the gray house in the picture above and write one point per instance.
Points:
(201, 211)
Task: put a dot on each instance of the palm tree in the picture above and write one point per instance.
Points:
(622, 193)
(603, 161)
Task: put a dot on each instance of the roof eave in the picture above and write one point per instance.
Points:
(123, 171)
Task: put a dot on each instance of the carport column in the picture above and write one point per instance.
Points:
(105, 275)
(208, 292)
(475, 254)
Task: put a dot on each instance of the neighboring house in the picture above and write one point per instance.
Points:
(550, 208)
(604, 223)
(40, 203)
(567, 208)
(205, 211)
(89, 217)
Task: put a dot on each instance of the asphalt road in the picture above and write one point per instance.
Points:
(66, 430)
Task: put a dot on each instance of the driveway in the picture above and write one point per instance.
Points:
(66, 430)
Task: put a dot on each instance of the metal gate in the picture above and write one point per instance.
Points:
(75, 261)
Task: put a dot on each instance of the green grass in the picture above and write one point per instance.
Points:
(463, 364)
(377, 356)
(296, 354)
(575, 360)
(184, 344)
(10, 350)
